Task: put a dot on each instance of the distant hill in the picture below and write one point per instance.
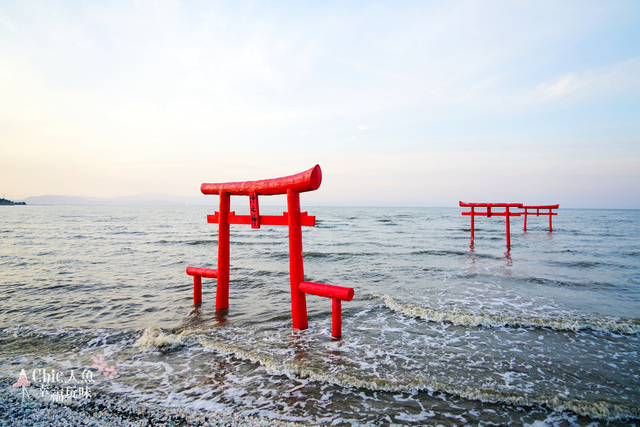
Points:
(148, 199)
(8, 202)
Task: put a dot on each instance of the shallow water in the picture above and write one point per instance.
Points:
(437, 333)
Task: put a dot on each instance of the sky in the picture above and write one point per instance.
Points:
(401, 103)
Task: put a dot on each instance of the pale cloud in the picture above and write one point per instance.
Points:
(558, 89)
(604, 82)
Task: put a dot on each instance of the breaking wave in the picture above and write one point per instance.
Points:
(468, 318)
(157, 339)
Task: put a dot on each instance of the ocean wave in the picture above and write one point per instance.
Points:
(202, 242)
(467, 318)
(184, 242)
(312, 254)
(274, 365)
(581, 264)
(448, 253)
(158, 339)
(21, 331)
(163, 340)
(591, 285)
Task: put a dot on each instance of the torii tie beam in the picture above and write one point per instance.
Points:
(292, 186)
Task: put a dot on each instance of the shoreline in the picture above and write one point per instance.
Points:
(106, 409)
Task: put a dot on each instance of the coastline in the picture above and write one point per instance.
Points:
(7, 202)
(106, 409)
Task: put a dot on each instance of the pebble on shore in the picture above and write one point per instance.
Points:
(109, 409)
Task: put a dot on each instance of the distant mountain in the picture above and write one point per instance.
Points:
(56, 200)
(148, 199)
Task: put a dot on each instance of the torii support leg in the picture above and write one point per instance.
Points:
(296, 269)
(472, 224)
(197, 290)
(198, 274)
(222, 289)
(336, 318)
(508, 228)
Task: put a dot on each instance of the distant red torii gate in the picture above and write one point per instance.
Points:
(507, 214)
(488, 213)
(538, 213)
(292, 186)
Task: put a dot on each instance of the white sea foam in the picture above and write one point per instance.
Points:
(156, 338)
(467, 318)
(358, 379)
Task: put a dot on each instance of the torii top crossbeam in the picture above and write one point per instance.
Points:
(309, 180)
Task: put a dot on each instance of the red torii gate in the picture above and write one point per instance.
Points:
(538, 213)
(292, 186)
(488, 213)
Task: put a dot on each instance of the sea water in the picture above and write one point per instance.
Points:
(438, 333)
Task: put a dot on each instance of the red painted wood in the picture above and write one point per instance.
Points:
(550, 213)
(222, 289)
(489, 213)
(336, 318)
(197, 289)
(198, 274)
(328, 291)
(309, 180)
(337, 294)
(472, 213)
(492, 205)
(492, 213)
(296, 269)
(541, 207)
(202, 272)
(292, 186)
(508, 226)
(305, 219)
